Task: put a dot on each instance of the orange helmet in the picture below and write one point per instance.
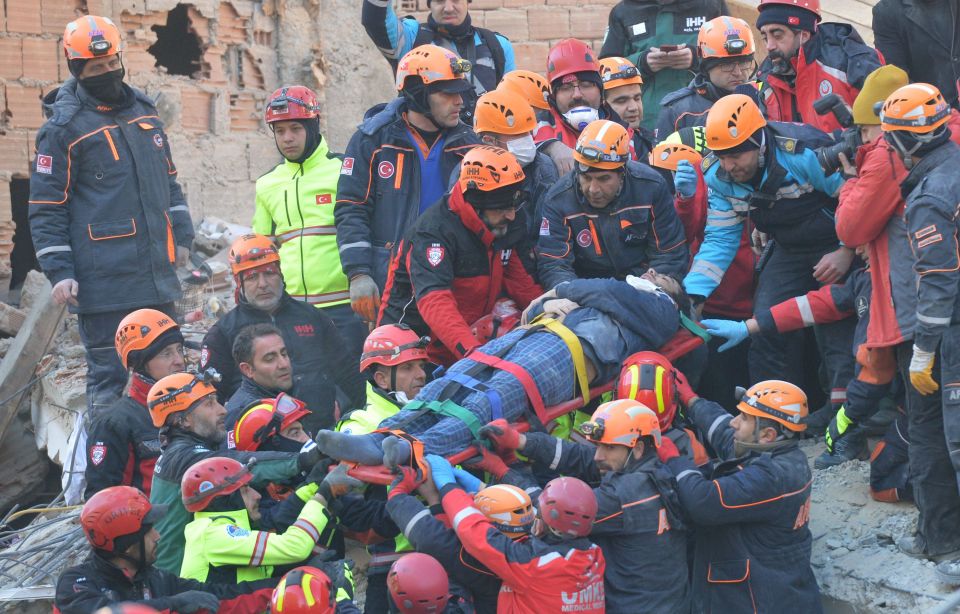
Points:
(211, 478)
(603, 144)
(503, 112)
(141, 329)
(304, 590)
(569, 57)
(622, 423)
(486, 169)
(725, 37)
(668, 155)
(534, 88)
(178, 392)
(265, 419)
(251, 251)
(418, 584)
(117, 512)
(617, 71)
(731, 121)
(291, 102)
(391, 345)
(434, 66)
(648, 377)
(91, 37)
(776, 400)
(917, 107)
(507, 507)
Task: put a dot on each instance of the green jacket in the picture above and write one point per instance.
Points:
(295, 204)
(368, 419)
(637, 25)
(222, 539)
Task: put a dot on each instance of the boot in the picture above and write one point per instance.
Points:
(851, 445)
(948, 572)
(916, 547)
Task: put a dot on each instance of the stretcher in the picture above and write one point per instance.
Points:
(682, 343)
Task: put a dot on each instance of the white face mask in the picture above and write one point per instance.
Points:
(523, 149)
(641, 284)
(579, 117)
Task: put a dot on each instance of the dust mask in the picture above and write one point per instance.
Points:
(523, 149)
(580, 117)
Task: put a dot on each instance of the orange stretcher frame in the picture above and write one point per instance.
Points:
(679, 345)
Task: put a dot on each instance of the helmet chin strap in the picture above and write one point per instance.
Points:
(906, 154)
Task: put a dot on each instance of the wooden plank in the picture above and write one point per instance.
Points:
(28, 347)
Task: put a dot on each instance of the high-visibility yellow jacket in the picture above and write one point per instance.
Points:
(295, 204)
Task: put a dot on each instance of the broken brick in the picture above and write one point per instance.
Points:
(23, 103)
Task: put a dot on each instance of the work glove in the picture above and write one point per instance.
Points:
(921, 371)
(685, 179)
(837, 428)
(667, 449)
(194, 601)
(684, 389)
(440, 471)
(467, 481)
(407, 480)
(319, 471)
(365, 297)
(341, 576)
(504, 437)
(338, 483)
(307, 460)
(732, 330)
(489, 462)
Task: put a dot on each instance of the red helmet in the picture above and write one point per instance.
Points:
(504, 317)
(304, 590)
(391, 345)
(568, 507)
(264, 419)
(811, 5)
(291, 102)
(650, 378)
(418, 584)
(115, 512)
(570, 56)
(210, 478)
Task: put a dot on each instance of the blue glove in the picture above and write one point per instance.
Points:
(731, 330)
(440, 470)
(467, 481)
(685, 179)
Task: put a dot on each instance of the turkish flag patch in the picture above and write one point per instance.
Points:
(44, 164)
(793, 20)
(98, 453)
(435, 254)
(324, 199)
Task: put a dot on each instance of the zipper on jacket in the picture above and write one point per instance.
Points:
(303, 264)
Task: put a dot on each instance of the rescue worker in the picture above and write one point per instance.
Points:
(309, 590)
(610, 217)
(107, 216)
(556, 568)
(807, 60)
(438, 283)
(310, 337)
(532, 86)
(914, 120)
(871, 213)
(118, 522)
(752, 551)
(222, 541)
(725, 48)
(637, 526)
(294, 203)
(506, 120)
(659, 38)
(768, 174)
(623, 91)
(397, 165)
(449, 26)
(184, 406)
(419, 585)
(122, 442)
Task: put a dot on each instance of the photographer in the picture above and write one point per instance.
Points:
(871, 213)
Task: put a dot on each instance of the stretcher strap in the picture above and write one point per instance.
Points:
(496, 406)
(522, 375)
(693, 327)
(450, 410)
(576, 353)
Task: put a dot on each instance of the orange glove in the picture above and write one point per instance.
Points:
(687, 395)
(365, 297)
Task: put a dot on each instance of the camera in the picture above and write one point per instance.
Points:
(849, 140)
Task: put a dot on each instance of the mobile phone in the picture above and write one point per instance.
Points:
(670, 48)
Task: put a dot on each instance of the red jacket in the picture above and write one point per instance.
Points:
(870, 213)
(538, 575)
(448, 272)
(733, 298)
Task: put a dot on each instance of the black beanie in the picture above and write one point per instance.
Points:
(312, 126)
(138, 359)
(584, 75)
(793, 17)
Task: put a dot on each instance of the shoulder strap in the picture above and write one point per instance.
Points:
(489, 38)
(766, 195)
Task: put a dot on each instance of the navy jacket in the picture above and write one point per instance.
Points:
(687, 107)
(638, 230)
(105, 205)
(753, 541)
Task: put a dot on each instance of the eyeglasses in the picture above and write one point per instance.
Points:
(729, 67)
(583, 86)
